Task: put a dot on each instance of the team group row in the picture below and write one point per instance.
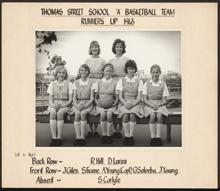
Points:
(105, 89)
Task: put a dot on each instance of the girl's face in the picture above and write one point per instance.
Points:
(83, 72)
(119, 49)
(108, 72)
(155, 73)
(130, 72)
(61, 75)
(94, 49)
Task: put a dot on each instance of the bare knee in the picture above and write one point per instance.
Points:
(132, 117)
(109, 116)
(152, 117)
(159, 117)
(103, 116)
(53, 113)
(125, 118)
(60, 114)
(77, 117)
(83, 115)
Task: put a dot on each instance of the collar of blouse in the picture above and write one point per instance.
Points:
(130, 79)
(60, 84)
(155, 83)
(105, 80)
(84, 82)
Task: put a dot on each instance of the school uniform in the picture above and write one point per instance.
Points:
(119, 66)
(61, 93)
(96, 66)
(119, 73)
(130, 89)
(106, 88)
(83, 92)
(155, 92)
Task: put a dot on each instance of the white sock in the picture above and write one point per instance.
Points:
(53, 127)
(77, 129)
(83, 128)
(158, 129)
(132, 125)
(126, 129)
(103, 127)
(109, 127)
(152, 130)
(59, 128)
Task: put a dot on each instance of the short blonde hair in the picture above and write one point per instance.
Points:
(57, 69)
(94, 42)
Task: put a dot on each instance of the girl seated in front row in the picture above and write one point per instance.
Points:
(155, 93)
(60, 102)
(130, 92)
(83, 97)
(106, 100)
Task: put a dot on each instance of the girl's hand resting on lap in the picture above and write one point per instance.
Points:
(114, 104)
(153, 106)
(56, 106)
(128, 105)
(82, 106)
(79, 107)
(97, 103)
(156, 107)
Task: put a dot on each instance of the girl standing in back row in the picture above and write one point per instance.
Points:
(95, 63)
(118, 62)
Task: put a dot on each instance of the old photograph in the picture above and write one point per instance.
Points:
(108, 89)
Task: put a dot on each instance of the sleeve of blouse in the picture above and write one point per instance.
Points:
(74, 86)
(140, 86)
(165, 91)
(145, 89)
(119, 86)
(110, 61)
(125, 59)
(116, 91)
(95, 86)
(50, 89)
(70, 87)
(102, 65)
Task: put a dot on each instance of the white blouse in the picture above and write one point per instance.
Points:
(50, 88)
(165, 91)
(84, 83)
(119, 86)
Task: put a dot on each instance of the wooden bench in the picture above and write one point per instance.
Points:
(174, 118)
